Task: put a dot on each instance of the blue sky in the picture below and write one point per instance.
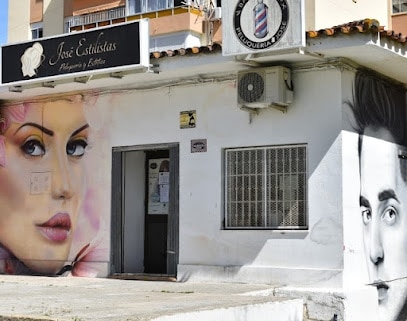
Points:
(3, 21)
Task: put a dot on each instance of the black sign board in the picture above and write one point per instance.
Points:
(82, 52)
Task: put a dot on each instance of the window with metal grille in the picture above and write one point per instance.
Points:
(266, 187)
(142, 6)
(399, 6)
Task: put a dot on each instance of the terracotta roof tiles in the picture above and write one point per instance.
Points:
(359, 26)
(187, 51)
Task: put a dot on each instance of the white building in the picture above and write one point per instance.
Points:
(263, 182)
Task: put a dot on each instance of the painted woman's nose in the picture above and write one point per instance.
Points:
(376, 248)
(61, 178)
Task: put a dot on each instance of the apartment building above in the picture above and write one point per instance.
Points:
(179, 23)
(399, 16)
(173, 23)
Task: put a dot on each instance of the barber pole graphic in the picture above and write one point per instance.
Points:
(260, 19)
(262, 25)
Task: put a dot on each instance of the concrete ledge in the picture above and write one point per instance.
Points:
(261, 275)
(287, 310)
(326, 304)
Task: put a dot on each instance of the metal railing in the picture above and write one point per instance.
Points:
(116, 13)
(96, 17)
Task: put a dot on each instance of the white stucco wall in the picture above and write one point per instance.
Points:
(206, 250)
(53, 17)
(18, 25)
(355, 273)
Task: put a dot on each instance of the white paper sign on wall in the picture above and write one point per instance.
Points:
(251, 26)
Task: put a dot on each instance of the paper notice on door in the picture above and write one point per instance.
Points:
(163, 178)
(164, 193)
(158, 186)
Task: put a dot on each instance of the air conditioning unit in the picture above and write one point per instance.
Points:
(265, 87)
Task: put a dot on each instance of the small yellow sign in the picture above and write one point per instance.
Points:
(187, 119)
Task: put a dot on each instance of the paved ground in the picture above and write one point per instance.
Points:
(81, 299)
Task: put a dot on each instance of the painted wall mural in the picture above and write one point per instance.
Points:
(379, 108)
(49, 224)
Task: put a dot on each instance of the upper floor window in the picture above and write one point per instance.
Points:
(36, 30)
(266, 187)
(399, 6)
(142, 6)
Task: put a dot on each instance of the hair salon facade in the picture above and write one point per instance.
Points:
(233, 164)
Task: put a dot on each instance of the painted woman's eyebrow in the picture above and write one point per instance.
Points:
(387, 194)
(43, 129)
(80, 129)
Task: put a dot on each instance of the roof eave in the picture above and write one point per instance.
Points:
(371, 50)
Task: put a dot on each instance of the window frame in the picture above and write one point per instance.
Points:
(398, 5)
(265, 174)
(147, 6)
(38, 29)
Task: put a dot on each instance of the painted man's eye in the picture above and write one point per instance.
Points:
(366, 215)
(76, 147)
(390, 215)
(33, 147)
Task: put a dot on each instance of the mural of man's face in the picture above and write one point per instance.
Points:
(42, 181)
(383, 197)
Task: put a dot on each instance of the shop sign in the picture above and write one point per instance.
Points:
(102, 50)
(199, 146)
(262, 25)
(187, 119)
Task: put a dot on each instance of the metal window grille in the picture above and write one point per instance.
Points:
(107, 15)
(266, 187)
(399, 6)
(144, 6)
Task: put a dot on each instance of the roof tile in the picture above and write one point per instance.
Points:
(187, 51)
(358, 26)
(361, 26)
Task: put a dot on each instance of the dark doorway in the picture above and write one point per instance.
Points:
(145, 210)
(157, 210)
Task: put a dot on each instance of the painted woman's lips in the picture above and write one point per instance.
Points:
(382, 288)
(57, 228)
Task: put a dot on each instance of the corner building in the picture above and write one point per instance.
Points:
(180, 154)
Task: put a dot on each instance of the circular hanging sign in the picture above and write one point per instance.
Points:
(260, 24)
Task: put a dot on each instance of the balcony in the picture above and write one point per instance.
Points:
(94, 20)
(172, 28)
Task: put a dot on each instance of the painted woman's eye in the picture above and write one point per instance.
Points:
(366, 215)
(76, 147)
(33, 147)
(390, 215)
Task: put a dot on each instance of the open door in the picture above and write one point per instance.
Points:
(145, 211)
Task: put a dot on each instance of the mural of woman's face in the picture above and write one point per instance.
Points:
(42, 181)
(383, 206)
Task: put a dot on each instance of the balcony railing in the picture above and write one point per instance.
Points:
(82, 20)
(119, 15)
